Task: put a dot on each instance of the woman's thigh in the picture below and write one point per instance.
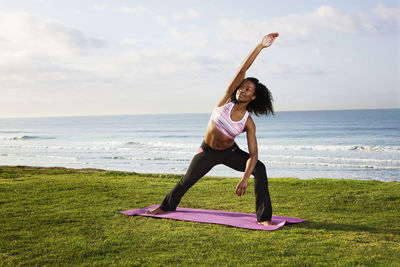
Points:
(237, 160)
(200, 165)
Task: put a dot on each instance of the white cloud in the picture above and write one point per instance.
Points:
(331, 18)
(191, 13)
(293, 67)
(193, 36)
(132, 41)
(328, 18)
(242, 31)
(135, 10)
(366, 22)
(144, 11)
(386, 13)
(316, 51)
(324, 18)
(37, 53)
(167, 65)
(23, 33)
(102, 6)
(388, 18)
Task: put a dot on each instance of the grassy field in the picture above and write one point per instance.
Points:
(57, 216)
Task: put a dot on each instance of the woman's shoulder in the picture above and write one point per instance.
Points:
(250, 122)
(228, 102)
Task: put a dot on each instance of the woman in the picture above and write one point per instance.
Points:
(230, 118)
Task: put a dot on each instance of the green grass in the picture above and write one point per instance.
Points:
(56, 216)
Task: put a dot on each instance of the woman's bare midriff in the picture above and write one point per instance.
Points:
(217, 140)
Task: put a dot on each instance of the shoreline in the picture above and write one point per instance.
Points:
(97, 170)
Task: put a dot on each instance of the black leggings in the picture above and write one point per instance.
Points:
(233, 157)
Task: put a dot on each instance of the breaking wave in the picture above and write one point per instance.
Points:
(28, 137)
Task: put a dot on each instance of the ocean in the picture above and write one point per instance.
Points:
(344, 144)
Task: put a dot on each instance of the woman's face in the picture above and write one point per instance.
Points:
(246, 92)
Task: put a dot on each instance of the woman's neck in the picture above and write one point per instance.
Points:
(240, 107)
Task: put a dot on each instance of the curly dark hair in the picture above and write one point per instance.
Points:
(262, 105)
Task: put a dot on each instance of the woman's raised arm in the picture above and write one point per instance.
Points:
(240, 75)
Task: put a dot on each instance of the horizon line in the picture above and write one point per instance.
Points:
(182, 113)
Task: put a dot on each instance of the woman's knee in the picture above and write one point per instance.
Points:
(260, 169)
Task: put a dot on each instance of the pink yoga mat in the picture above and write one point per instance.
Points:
(231, 218)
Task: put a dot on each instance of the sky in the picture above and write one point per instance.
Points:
(76, 58)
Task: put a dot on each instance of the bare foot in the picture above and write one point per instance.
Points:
(266, 223)
(154, 211)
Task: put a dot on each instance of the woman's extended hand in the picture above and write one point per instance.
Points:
(241, 187)
(269, 39)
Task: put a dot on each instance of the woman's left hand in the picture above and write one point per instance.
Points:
(241, 187)
(269, 39)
